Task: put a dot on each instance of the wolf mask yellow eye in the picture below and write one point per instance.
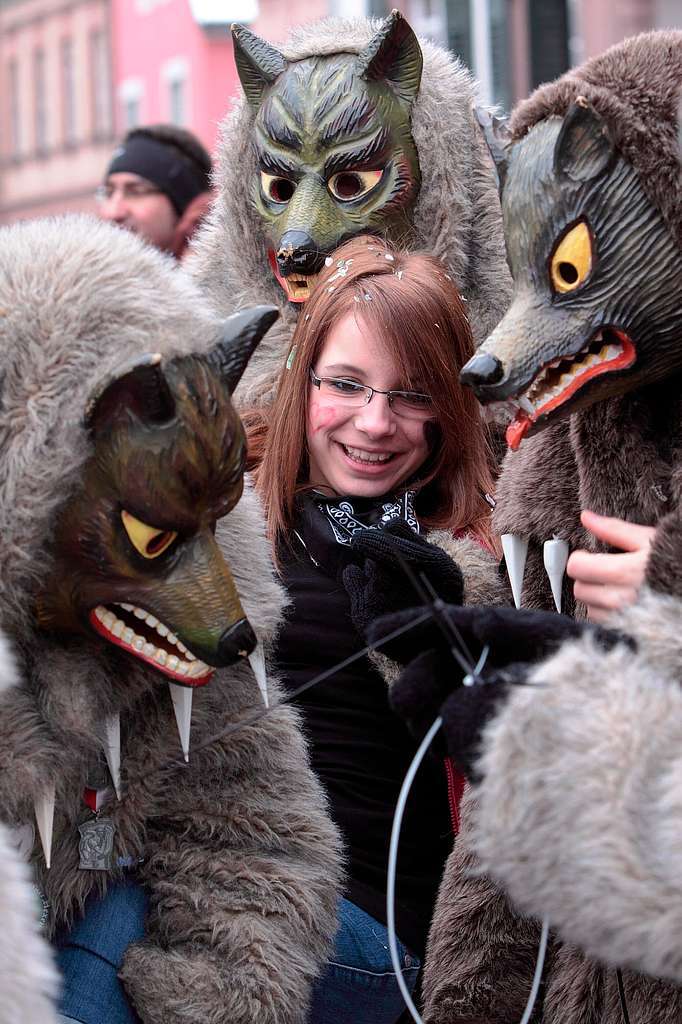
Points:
(572, 259)
(276, 188)
(149, 541)
(347, 185)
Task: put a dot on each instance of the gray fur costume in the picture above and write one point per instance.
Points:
(28, 979)
(456, 218)
(239, 855)
(578, 816)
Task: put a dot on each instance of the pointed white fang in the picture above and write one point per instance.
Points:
(525, 404)
(182, 706)
(555, 556)
(112, 749)
(44, 810)
(515, 552)
(257, 662)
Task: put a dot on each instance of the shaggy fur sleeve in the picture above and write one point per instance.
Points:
(580, 811)
(484, 582)
(244, 872)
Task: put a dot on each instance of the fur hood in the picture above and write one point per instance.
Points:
(55, 346)
(457, 215)
(635, 86)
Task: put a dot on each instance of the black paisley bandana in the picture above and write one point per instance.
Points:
(348, 516)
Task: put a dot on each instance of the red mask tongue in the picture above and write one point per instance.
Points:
(517, 430)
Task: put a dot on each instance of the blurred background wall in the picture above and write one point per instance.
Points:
(76, 74)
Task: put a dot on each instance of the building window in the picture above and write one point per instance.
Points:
(39, 102)
(100, 77)
(548, 40)
(14, 111)
(175, 77)
(130, 95)
(68, 93)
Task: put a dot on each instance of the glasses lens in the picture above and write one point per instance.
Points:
(412, 404)
(343, 392)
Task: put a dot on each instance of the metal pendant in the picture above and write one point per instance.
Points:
(96, 844)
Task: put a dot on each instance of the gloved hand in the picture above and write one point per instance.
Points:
(431, 684)
(377, 583)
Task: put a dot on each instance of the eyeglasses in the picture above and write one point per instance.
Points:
(132, 190)
(411, 404)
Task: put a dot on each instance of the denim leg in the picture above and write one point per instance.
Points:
(90, 955)
(359, 984)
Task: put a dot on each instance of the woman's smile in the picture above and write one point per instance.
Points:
(363, 450)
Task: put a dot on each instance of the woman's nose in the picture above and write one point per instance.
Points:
(376, 419)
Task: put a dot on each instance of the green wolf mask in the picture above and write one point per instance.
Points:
(591, 206)
(333, 143)
(454, 214)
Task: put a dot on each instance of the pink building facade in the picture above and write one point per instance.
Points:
(173, 59)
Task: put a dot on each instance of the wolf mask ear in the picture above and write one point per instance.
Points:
(240, 334)
(258, 63)
(498, 139)
(138, 387)
(584, 148)
(394, 56)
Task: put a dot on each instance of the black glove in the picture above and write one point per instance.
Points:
(377, 584)
(431, 684)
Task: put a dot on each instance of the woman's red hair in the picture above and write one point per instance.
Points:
(408, 300)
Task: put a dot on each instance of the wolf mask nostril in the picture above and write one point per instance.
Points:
(297, 252)
(481, 371)
(236, 642)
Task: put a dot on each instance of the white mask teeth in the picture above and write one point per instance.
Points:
(182, 706)
(112, 750)
(555, 557)
(515, 552)
(44, 811)
(257, 662)
(184, 663)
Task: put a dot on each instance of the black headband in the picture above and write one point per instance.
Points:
(177, 177)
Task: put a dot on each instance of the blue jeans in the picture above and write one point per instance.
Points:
(89, 956)
(357, 986)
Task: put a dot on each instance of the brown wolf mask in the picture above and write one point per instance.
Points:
(135, 558)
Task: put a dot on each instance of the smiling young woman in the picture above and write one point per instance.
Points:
(400, 316)
(369, 442)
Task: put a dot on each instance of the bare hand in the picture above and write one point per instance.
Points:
(606, 583)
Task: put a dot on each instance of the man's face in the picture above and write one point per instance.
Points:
(139, 206)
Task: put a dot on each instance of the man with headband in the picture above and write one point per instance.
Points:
(157, 185)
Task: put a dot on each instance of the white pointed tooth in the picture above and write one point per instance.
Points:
(257, 662)
(152, 620)
(525, 404)
(44, 810)
(112, 749)
(128, 607)
(172, 639)
(189, 656)
(182, 706)
(161, 629)
(138, 642)
(180, 646)
(161, 657)
(172, 663)
(127, 635)
(555, 556)
(109, 619)
(149, 650)
(613, 351)
(515, 551)
(118, 627)
(139, 613)
(198, 668)
(183, 668)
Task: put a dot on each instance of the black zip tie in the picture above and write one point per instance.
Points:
(621, 996)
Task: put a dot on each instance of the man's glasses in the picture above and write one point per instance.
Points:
(131, 190)
(411, 404)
